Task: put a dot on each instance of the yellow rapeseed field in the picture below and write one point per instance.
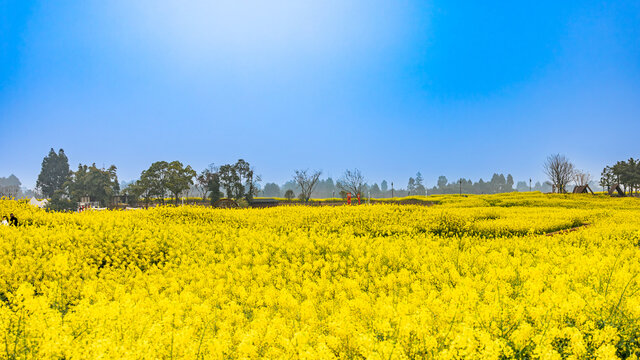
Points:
(472, 277)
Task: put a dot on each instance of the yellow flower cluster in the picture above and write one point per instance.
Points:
(471, 278)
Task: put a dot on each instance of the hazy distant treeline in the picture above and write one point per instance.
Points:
(241, 181)
(414, 186)
(11, 187)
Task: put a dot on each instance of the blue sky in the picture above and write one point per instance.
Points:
(462, 88)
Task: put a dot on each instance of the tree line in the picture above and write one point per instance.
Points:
(66, 188)
(237, 181)
(326, 188)
(625, 173)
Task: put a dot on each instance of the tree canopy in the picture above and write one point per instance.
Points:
(54, 173)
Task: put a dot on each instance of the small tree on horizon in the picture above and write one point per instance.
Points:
(352, 181)
(306, 181)
(560, 171)
(289, 195)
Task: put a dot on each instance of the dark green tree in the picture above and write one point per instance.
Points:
(230, 181)
(239, 180)
(90, 181)
(154, 180)
(54, 173)
(289, 195)
(178, 178)
(607, 178)
(214, 188)
(133, 192)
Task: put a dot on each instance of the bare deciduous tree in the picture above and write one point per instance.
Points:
(582, 178)
(307, 181)
(560, 171)
(352, 181)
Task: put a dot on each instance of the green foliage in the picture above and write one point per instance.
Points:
(98, 184)
(54, 173)
(57, 203)
(178, 178)
(623, 172)
(214, 188)
(238, 180)
(289, 195)
(153, 180)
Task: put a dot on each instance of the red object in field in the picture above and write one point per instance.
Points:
(358, 198)
(348, 198)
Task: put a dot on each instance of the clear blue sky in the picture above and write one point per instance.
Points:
(464, 88)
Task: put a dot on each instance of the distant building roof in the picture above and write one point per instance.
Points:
(616, 188)
(582, 189)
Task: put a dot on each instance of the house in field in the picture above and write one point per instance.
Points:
(616, 188)
(582, 189)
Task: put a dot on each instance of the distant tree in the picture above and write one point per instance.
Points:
(581, 178)
(10, 187)
(133, 192)
(509, 184)
(327, 187)
(419, 188)
(289, 195)
(522, 186)
(229, 179)
(154, 179)
(352, 181)
(213, 188)
(375, 191)
(178, 178)
(559, 170)
(306, 181)
(498, 183)
(202, 181)
(384, 186)
(411, 186)
(98, 184)
(442, 182)
(607, 178)
(145, 187)
(628, 174)
(54, 173)
(481, 187)
(248, 179)
(271, 189)
(239, 180)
